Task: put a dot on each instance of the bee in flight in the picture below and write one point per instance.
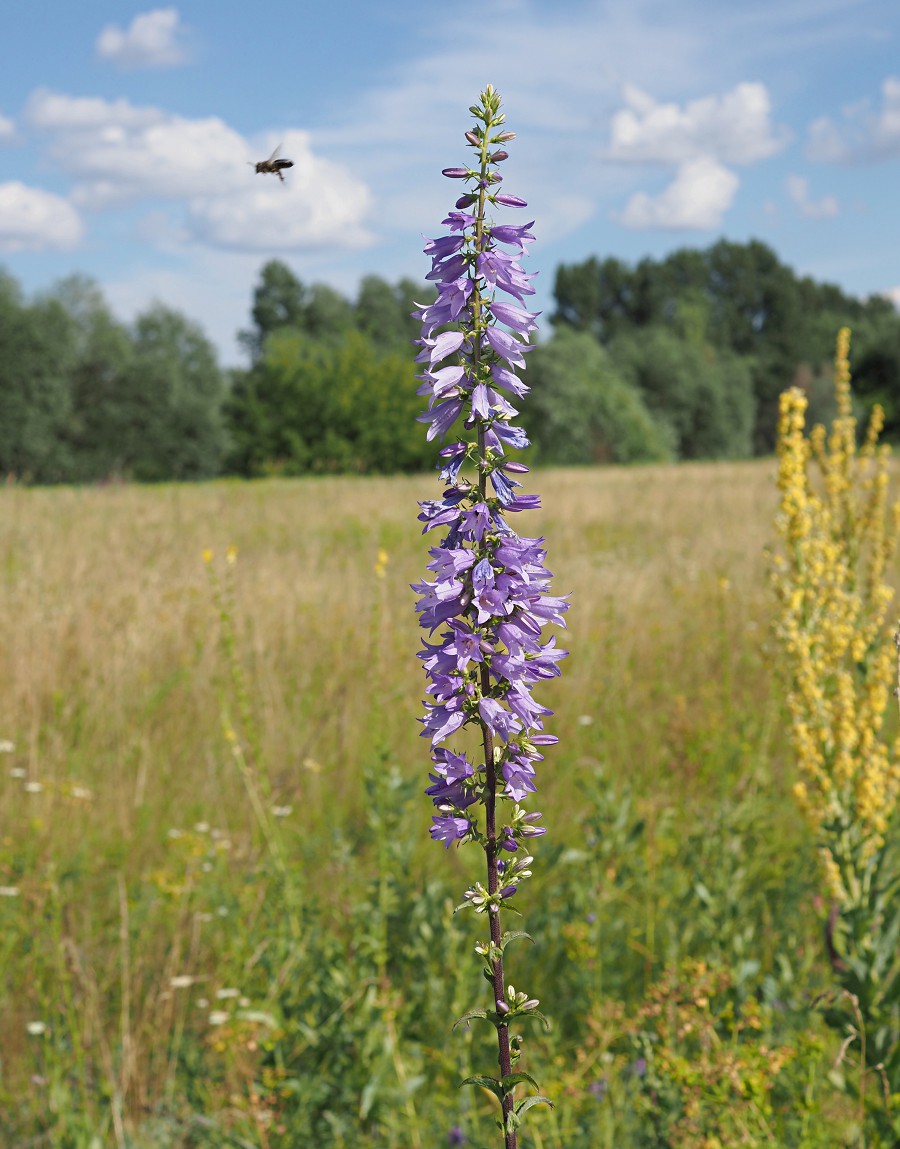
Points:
(272, 166)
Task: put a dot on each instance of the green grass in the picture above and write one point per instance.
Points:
(144, 848)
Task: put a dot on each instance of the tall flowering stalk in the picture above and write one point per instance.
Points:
(839, 533)
(489, 596)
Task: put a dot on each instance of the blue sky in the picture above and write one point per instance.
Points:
(643, 126)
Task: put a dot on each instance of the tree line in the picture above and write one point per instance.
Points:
(678, 358)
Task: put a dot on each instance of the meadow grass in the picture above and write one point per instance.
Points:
(154, 859)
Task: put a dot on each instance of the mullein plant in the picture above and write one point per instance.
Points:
(839, 532)
(489, 597)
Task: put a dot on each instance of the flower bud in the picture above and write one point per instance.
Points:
(465, 201)
(498, 157)
(474, 138)
(455, 173)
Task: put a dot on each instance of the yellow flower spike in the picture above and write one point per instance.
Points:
(207, 555)
(839, 533)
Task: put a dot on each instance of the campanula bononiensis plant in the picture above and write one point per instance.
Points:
(489, 600)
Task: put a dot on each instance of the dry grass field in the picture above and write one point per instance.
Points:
(119, 687)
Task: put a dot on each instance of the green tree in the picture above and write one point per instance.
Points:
(37, 351)
(103, 352)
(313, 406)
(582, 410)
(704, 396)
(168, 422)
(383, 310)
(279, 300)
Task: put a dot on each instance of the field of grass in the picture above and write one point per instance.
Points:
(222, 921)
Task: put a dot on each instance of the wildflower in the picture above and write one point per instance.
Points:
(33, 787)
(182, 981)
(9, 891)
(282, 811)
(229, 991)
(218, 1017)
(488, 596)
(36, 1028)
(7, 747)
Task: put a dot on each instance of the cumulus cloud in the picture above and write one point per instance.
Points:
(152, 40)
(698, 139)
(35, 220)
(7, 130)
(119, 154)
(798, 191)
(734, 128)
(862, 135)
(697, 198)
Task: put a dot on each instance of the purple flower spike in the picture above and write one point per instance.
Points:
(491, 589)
(486, 602)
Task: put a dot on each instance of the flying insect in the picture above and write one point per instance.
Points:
(273, 166)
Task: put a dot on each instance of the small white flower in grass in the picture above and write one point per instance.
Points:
(585, 720)
(182, 981)
(222, 911)
(201, 827)
(218, 1017)
(81, 793)
(229, 991)
(36, 1028)
(173, 833)
(202, 1003)
(243, 1002)
(33, 787)
(7, 747)
(9, 891)
(17, 772)
(282, 811)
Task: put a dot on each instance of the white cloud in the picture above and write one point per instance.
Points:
(798, 191)
(7, 130)
(120, 154)
(152, 40)
(734, 128)
(317, 205)
(696, 199)
(862, 136)
(35, 220)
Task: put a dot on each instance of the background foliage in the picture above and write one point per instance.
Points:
(679, 358)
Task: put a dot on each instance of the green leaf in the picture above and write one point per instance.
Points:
(513, 936)
(472, 1013)
(527, 1104)
(513, 1079)
(491, 1084)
